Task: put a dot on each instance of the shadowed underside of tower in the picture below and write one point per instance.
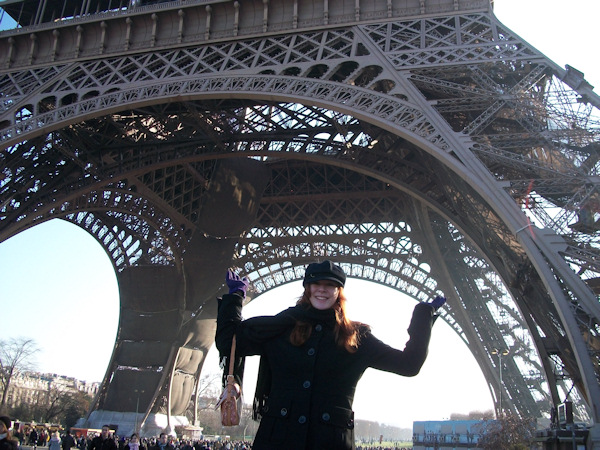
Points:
(420, 144)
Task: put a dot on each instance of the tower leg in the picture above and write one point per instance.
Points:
(168, 313)
(593, 441)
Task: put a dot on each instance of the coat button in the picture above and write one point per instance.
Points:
(326, 417)
(311, 351)
(283, 411)
(302, 419)
(318, 327)
(306, 384)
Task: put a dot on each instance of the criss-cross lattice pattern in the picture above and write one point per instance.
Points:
(421, 148)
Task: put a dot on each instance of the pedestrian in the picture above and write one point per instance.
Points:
(43, 440)
(17, 433)
(163, 443)
(7, 441)
(312, 357)
(103, 442)
(134, 443)
(54, 442)
(33, 438)
(68, 441)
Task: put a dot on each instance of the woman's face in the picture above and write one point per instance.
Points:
(134, 439)
(323, 294)
(3, 428)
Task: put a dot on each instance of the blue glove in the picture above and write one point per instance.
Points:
(437, 302)
(235, 283)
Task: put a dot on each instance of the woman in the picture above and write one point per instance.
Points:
(312, 357)
(54, 442)
(7, 442)
(134, 443)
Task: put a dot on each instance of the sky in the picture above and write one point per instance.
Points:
(564, 31)
(58, 287)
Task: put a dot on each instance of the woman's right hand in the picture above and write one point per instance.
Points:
(235, 283)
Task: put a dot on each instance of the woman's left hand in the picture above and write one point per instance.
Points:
(437, 302)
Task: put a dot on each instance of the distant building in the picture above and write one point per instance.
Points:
(446, 434)
(31, 387)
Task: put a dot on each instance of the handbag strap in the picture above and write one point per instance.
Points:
(231, 357)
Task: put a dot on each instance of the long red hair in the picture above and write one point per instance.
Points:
(346, 331)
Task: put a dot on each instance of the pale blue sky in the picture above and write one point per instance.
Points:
(565, 31)
(59, 288)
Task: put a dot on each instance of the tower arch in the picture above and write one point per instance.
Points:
(465, 140)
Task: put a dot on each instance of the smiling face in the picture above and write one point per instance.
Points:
(323, 294)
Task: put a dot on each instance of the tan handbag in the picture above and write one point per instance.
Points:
(230, 414)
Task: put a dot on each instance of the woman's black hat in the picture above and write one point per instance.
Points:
(325, 270)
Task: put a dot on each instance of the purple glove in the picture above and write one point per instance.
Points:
(235, 283)
(437, 302)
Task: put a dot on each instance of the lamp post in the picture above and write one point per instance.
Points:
(500, 353)
(137, 406)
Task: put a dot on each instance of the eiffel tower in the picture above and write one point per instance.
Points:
(421, 144)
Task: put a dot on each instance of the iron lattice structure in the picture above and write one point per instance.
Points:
(421, 144)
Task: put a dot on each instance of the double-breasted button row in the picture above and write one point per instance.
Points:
(327, 417)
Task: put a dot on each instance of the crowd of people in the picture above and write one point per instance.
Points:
(362, 447)
(109, 441)
(54, 440)
(34, 437)
(106, 440)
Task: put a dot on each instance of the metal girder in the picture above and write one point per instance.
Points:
(421, 147)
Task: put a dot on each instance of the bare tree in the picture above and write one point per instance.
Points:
(508, 432)
(57, 401)
(61, 402)
(16, 355)
(210, 385)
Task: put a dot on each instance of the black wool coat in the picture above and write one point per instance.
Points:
(98, 443)
(309, 406)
